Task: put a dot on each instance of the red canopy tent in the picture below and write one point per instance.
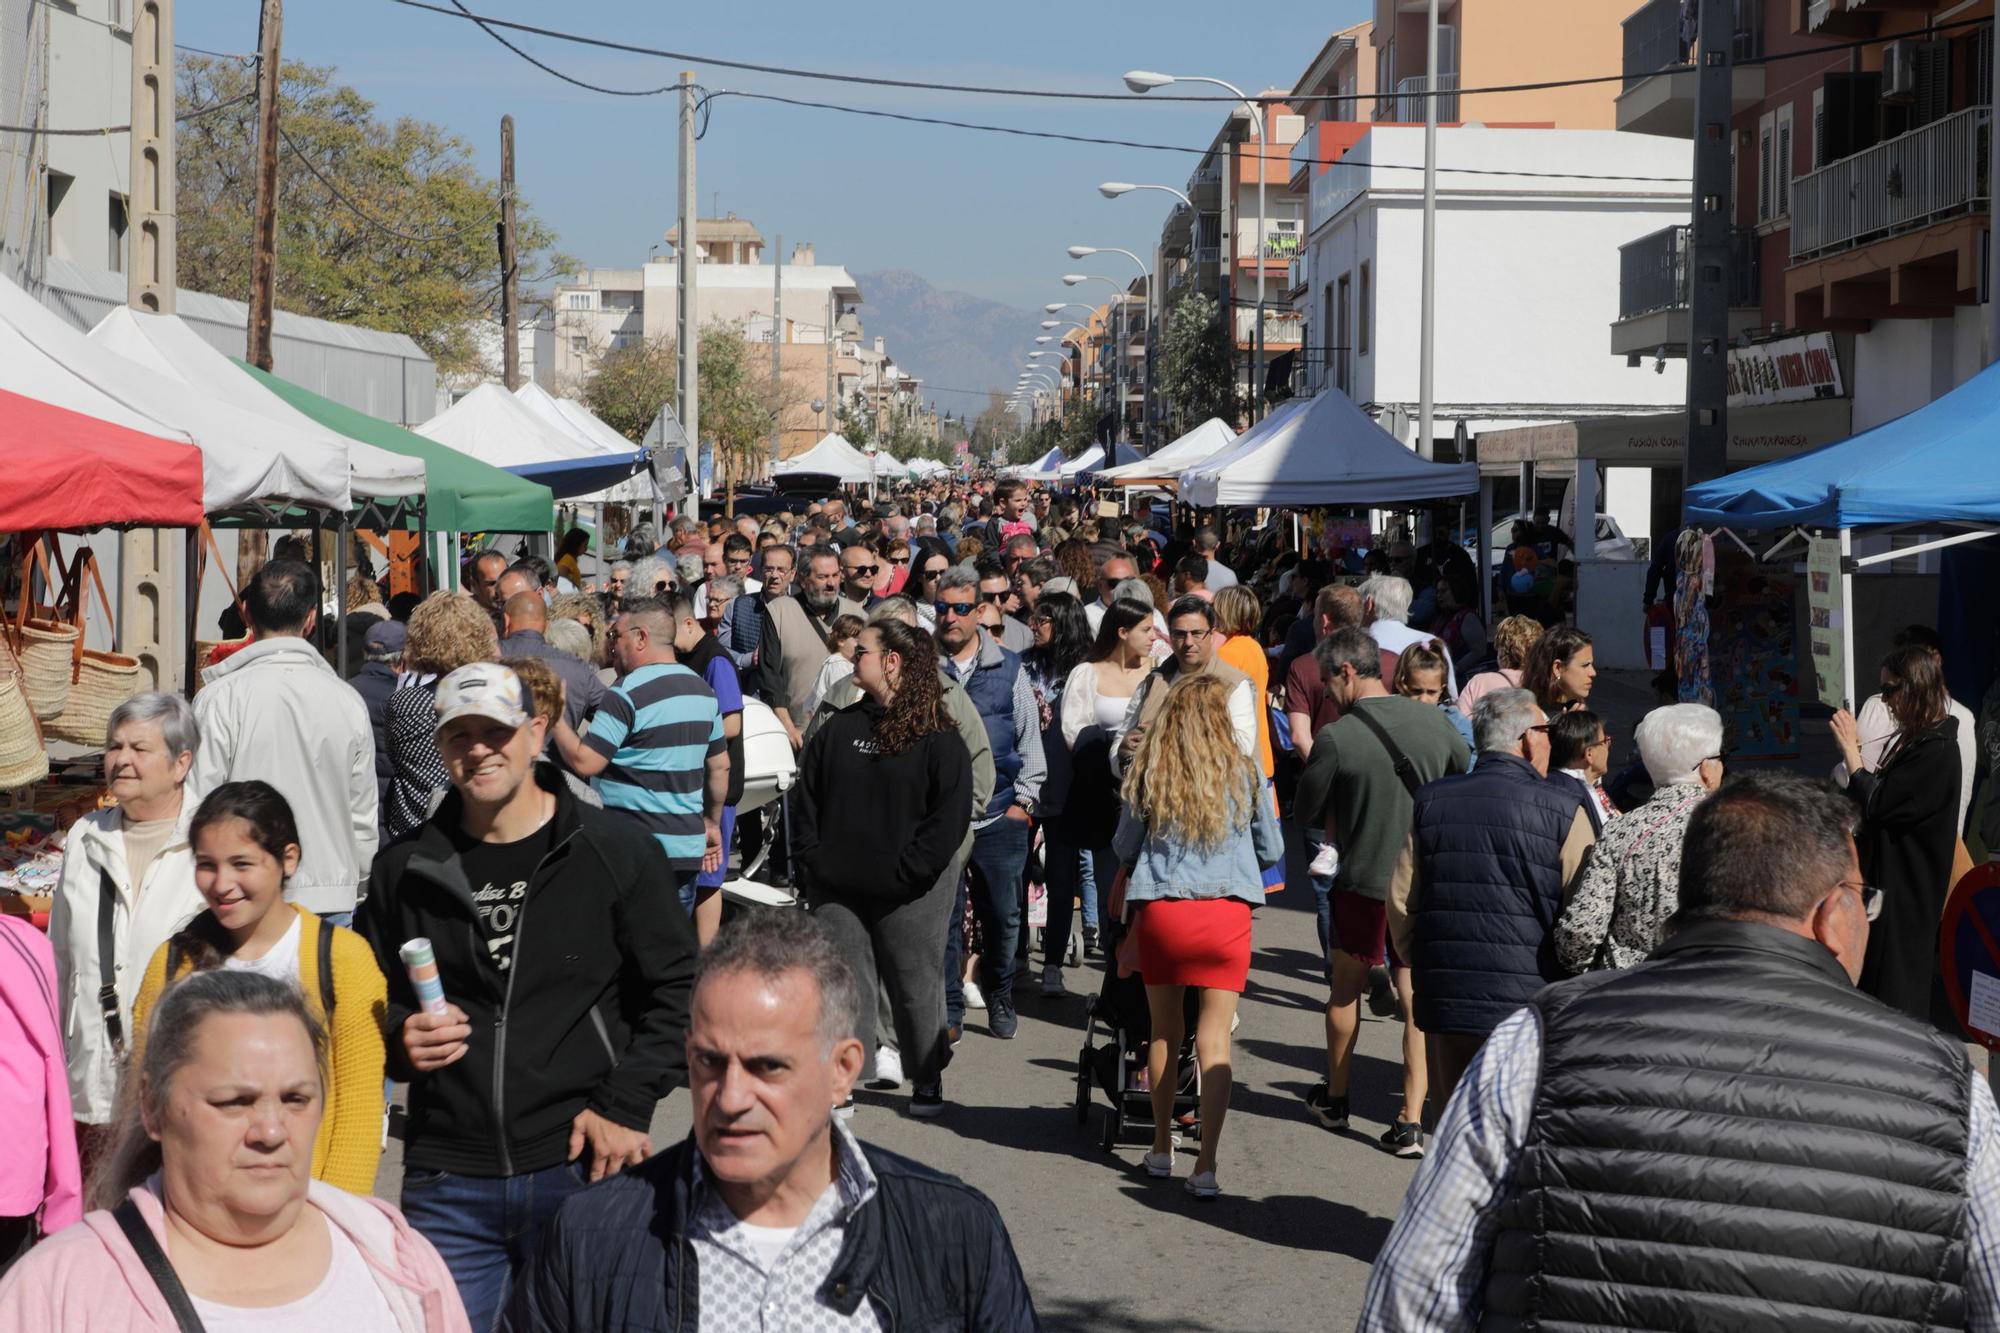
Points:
(67, 470)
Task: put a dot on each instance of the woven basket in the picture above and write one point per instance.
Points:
(47, 648)
(104, 680)
(22, 758)
(204, 655)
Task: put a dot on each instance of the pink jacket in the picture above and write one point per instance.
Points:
(90, 1277)
(38, 1172)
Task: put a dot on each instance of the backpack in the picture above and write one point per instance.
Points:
(323, 946)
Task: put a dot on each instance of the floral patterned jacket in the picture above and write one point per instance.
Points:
(1631, 885)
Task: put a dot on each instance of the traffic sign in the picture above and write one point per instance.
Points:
(1969, 953)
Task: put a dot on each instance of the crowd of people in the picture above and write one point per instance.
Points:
(489, 866)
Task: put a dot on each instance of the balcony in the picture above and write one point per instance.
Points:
(1927, 192)
(1851, 18)
(1408, 104)
(1655, 277)
(1297, 277)
(1658, 96)
(1282, 327)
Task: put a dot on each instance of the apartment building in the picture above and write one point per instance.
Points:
(1498, 43)
(1861, 201)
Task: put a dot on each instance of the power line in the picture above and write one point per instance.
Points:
(64, 9)
(449, 233)
(183, 117)
(487, 26)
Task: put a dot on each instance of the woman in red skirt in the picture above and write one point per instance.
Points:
(1194, 837)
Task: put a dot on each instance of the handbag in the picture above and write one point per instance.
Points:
(23, 757)
(43, 641)
(99, 681)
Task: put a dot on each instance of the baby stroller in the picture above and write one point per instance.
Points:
(1118, 1066)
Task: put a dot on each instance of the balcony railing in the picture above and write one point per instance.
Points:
(1655, 272)
(1281, 325)
(1901, 184)
(1410, 98)
(1657, 39)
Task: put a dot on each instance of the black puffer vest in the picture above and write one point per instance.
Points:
(1489, 861)
(1731, 1137)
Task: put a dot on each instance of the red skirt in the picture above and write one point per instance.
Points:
(1194, 942)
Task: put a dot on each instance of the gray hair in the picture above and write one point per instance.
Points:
(926, 523)
(725, 586)
(769, 944)
(647, 576)
(683, 525)
(569, 636)
(690, 566)
(1502, 717)
(1391, 595)
(178, 728)
(1349, 646)
(1137, 589)
(621, 565)
(1675, 739)
(169, 1046)
(898, 608)
(959, 576)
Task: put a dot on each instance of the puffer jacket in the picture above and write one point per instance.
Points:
(142, 919)
(277, 712)
(926, 1251)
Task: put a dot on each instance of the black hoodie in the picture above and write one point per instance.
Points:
(873, 825)
(592, 1013)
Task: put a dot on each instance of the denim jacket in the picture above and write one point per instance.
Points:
(1164, 867)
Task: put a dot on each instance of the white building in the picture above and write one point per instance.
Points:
(1527, 278)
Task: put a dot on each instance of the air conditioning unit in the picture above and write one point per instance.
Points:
(1899, 72)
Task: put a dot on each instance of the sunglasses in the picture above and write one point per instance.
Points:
(899, 560)
(954, 609)
(1000, 596)
(933, 571)
(862, 571)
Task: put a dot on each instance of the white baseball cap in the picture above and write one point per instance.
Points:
(484, 689)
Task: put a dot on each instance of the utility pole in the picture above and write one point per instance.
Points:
(832, 413)
(264, 230)
(777, 333)
(1708, 304)
(510, 273)
(1427, 351)
(149, 209)
(690, 380)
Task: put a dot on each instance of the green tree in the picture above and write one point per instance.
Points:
(1198, 374)
(736, 401)
(630, 384)
(856, 423)
(423, 261)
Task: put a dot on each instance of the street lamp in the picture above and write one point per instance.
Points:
(1083, 251)
(1118, 357)
(1144, 81)
(1057, 307)
(1113, 189)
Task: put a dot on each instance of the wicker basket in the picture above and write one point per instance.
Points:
(204, 655)
(103, 681)
(22, 758)
(47, 649)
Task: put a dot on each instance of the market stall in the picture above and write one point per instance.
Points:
(1164, 465)
(832, 457)
(495, 427)
(1322, 451)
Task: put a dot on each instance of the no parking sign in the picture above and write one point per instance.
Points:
(1969, 953)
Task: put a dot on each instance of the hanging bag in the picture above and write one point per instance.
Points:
(44, 641)
(206, 649)
(99, 681)
(23, 758)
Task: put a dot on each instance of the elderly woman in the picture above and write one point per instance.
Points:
(1631, 885)
(1513, 639)
(127, 880)
(447, 631)
(206, 1199)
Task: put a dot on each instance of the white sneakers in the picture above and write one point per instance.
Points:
(888, 1069)
(975, 998)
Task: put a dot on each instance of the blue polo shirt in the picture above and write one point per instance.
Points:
(657, 728)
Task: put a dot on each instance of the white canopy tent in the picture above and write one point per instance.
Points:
(493, 426)
(832, 457)
(1045, 468)
(246, 458)
(1322, 451)
(578, 421)
(1082, 463)
(1166, 463)
(165, 345)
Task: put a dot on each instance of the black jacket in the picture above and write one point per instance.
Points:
(927, 1252)
(869, 825)
(592, 1014)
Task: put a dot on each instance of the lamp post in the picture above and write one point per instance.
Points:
(1084, 251)
(1118, 360)
(1156, 297)
(1144, 81)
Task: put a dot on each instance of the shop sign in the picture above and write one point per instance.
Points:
(1825, 614)
(1789, 370)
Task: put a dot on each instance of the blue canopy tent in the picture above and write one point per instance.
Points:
(1932, 468)
(566, 477)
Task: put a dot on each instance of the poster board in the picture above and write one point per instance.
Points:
(1826, 618)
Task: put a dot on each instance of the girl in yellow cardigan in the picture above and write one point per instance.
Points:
(246, 843)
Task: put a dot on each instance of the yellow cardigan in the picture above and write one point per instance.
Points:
(349, 1142)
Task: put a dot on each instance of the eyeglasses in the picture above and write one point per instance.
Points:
(1189, 635)
(933, 571)
(899, 560)
(957, 609)
(1542, 727)
(1600, 742)
(860, 571)
(992, 595)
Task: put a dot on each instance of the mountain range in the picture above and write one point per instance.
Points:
(953, 341)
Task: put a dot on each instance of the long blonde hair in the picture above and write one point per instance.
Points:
(1190, 779)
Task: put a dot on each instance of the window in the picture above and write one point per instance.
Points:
(1766, 133)
(1819, 128)
(579, 300)
(1367, 311)
(1343, 323)
(579, 346)
(1782, 148)
(115, 256)
(1327, 339)
(58, 190)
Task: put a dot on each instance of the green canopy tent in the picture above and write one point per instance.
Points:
(462, 494)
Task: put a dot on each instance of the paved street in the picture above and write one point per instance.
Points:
(1105, 1248)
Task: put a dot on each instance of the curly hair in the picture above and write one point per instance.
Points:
(545, 687)
(918, 708)
(1179, 781)
(587, 610)
(448, 630)
(1073, 559)
(1513, 639)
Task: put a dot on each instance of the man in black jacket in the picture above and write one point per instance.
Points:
(566, 962)
(771, 1214)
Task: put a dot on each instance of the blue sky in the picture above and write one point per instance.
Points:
(980, 213)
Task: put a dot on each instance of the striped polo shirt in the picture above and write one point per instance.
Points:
(656, 728)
